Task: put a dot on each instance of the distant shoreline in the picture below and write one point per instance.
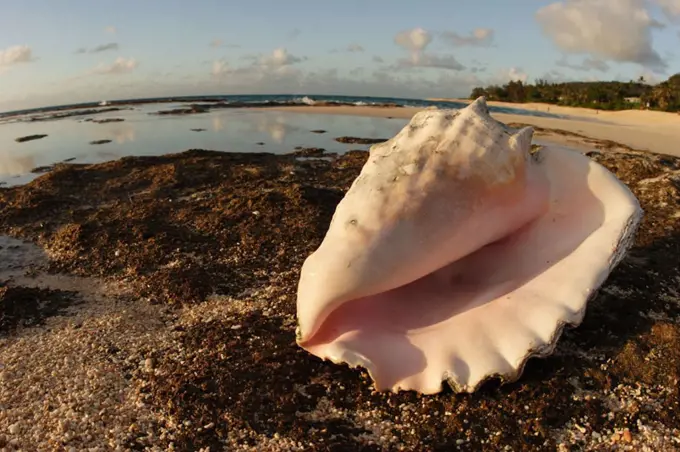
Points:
(208, 102)
(652, 131)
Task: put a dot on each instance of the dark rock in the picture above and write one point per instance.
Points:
(318, 131)
(107, 120)
(28, 306)
(192, 109)
(308, 152)
(100, 141)
(42, 169)
(29, 138)
(198, 130)
(73, 112)
(357, 140)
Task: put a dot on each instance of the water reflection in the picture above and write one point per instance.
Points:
(123, 133)
(12, 165)
(217, 124)
(276, 127)
(143, 134)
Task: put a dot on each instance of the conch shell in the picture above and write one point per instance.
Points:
(457, 254)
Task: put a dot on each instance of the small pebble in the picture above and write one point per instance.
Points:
(627, 436)
(149, 364)
(14, 429)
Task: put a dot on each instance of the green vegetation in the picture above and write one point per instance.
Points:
(600, 95)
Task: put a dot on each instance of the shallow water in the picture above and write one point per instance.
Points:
(140, 134)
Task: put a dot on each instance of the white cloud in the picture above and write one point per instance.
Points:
(480, 37)
(15, 54)
(616, 30)
(516, 74)
(110, 29)
(416, 41)
(435, 61)
(120, 66)
(503, 76)
(554, 76)
(330, 81)
(650, 78)
(276, 64)
(279, 58)
(670, 7)
(220, 67)
(587, 64)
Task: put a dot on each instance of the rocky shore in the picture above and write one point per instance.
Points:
(154, 307)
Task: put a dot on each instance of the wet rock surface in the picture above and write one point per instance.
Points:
(29, 138)
(215, 242)
(190, 110)
(107, 120)
(358, 140)
(42, 169)
(308, 152)
(62, 113)
(28, 306)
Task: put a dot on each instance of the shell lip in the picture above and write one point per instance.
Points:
(626, 240)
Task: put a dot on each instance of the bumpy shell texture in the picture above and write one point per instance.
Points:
(456, 254)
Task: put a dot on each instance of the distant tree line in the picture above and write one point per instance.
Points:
(600, 95)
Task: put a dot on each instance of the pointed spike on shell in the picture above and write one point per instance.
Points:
(479, 106)
(521, 140)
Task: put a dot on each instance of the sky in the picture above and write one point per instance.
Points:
(70, 51)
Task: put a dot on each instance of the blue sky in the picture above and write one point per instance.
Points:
(73, 50)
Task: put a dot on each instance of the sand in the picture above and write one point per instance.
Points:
(643, 130)
(632, 116)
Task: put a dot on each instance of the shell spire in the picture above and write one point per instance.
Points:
(521, 140)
